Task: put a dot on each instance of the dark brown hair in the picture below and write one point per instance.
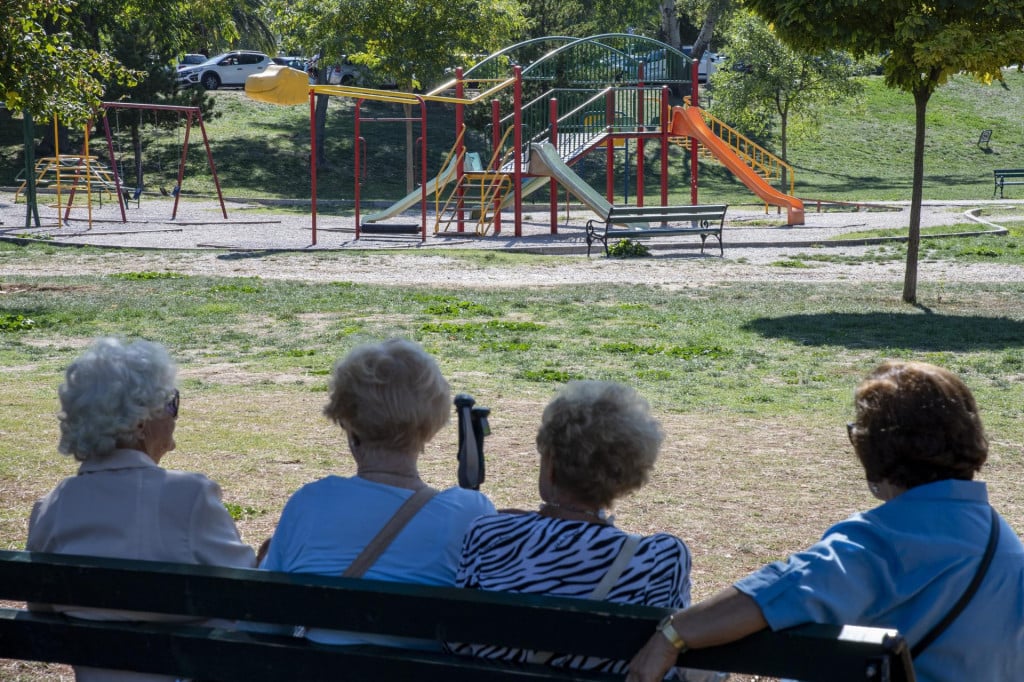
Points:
(917, 423)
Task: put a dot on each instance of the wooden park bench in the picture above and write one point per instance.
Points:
(1007, 176)
(194, 650)
(633, 222)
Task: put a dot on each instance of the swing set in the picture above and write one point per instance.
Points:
(88, 171)
(190, 114)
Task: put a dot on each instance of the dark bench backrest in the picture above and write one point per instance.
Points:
(705, 210)
(442, 614)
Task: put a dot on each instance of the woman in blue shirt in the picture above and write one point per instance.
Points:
(389, 399)
(901, 565)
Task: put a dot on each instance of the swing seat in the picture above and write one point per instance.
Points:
(135, 196)
(389, 228)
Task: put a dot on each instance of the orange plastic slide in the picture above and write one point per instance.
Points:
(687, 122)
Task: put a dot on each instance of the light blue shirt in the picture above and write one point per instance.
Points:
(327, 523)
(904, 565)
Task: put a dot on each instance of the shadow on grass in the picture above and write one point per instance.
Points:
(912, 331)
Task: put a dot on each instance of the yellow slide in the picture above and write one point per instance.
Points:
(687, 122)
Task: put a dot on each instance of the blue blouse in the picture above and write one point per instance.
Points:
(903, 565)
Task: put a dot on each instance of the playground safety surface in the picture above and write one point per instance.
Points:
(250, 226)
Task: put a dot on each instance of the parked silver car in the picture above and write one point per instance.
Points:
(228, 69)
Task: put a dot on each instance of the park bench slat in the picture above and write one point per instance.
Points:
(811, 653)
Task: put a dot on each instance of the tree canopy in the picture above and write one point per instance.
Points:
(44, 70)
(766, 82)
(924, 42)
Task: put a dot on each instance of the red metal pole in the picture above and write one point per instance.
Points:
(460, 152)
(695, 101)
(609, 146)
(665, 123)
(312, 164)
(357, 150)
(213, 166)
(181, 165)
(639, 148)
(517, 141)
(553, 199)
(423, 169)
(113, 162)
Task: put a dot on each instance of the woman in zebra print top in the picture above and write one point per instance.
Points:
(597, 441)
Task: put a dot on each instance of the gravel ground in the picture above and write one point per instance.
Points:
(259, 241)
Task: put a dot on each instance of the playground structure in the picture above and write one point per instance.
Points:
(86, 171)
(592, 98)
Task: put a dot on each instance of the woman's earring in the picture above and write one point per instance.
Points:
(873, 487)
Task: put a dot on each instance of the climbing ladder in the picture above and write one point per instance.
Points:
(73, 172)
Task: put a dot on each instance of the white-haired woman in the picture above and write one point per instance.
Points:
(119, 408)
(598, 442)
(390, 399)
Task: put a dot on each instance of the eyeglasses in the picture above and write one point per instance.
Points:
(172, 406)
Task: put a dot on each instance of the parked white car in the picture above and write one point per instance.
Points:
(228, 69)
(657, 70)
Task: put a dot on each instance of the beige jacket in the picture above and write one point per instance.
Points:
(126, 506)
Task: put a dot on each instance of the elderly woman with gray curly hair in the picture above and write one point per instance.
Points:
(119, 410)
(598, 442)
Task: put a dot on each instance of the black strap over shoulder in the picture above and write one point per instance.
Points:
(965, 598)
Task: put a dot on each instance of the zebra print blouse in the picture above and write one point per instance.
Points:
(530, 553)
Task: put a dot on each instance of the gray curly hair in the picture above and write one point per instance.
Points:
(108, 391)
(601, 438)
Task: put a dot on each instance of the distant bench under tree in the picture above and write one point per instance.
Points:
(814, 653)
(1006, 176)
(622, 222)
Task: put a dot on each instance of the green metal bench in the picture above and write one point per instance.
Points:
(192, 650)
(635, 222)
(1006, 176)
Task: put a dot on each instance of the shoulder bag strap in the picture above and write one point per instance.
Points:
(602, 589)
(615, 570)
(388, 533)
(940, 627)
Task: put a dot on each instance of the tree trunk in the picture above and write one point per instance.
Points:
(921, 97)
(670, 23)
(707, 29)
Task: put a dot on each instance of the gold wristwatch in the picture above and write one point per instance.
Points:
(666, 628)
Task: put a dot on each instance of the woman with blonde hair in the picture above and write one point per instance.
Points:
(390, 399)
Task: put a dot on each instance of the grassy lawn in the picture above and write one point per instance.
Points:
(753, 383)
